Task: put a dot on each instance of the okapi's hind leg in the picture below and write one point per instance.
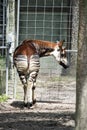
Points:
(29, 87)
(25, 95)
(32, 79)
(33, 93)
(25, 87)
(31, 96)
(28, 102)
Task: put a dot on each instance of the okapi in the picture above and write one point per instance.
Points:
(26, 59)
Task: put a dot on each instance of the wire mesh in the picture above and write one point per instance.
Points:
(3, 48)
(46, 20)
(2, 25)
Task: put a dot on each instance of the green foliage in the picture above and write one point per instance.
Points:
(3, 98)
(2, 62)
(2, 75)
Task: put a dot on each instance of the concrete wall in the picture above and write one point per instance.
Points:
(75, 24)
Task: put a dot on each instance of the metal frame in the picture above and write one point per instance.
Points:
(17, 41)
(7, 55)
(18, 15)
(72, 51)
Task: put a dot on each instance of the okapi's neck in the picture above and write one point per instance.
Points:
(44, 48)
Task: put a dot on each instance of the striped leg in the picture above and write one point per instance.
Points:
(25, 87)
(29, 90)
(25, 95)
(32, 79)
(29, 87)
(33, 93)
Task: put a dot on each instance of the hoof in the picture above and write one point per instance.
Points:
(25, 104)
(32, 103)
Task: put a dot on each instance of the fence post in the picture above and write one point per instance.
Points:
(7, 57)
(17, 40)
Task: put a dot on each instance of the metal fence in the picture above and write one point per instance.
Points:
(3, 7)
(46, 20)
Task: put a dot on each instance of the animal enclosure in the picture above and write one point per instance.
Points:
(50, 20)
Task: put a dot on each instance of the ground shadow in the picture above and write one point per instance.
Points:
(18, 104)
(35, 119)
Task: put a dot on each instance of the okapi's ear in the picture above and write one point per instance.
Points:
(60, 43)
(65, 48)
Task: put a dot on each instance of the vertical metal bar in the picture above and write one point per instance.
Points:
(15, 84)
(27, 20)
(61, 19)
(18, 15)
(69, 28)
(3, 24)
(7, 19)
(6, 49)
(7, 57)
(15, 76)
(44, 20)
(52, 22)
(35, 19)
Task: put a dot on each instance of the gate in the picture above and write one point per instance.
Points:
(3, 49)
(6, 41)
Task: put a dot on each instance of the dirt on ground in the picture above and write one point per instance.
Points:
(45, 114)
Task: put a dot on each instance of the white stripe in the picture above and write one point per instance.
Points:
(34, 63)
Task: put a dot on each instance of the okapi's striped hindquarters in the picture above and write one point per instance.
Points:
(26, 60)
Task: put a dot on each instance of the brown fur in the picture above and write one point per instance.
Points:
(28, 48)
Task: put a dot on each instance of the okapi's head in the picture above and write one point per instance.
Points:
(60, 54)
